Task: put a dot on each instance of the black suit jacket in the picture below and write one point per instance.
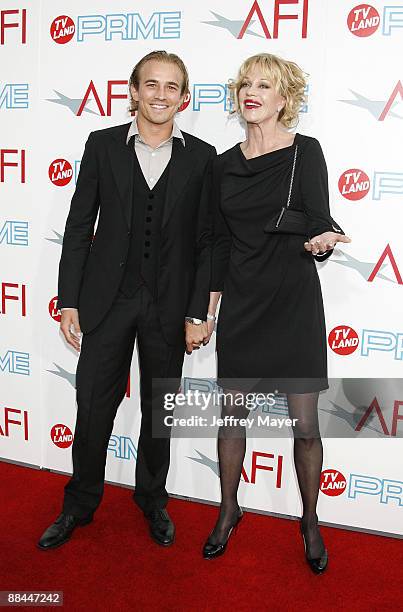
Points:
(91, 269)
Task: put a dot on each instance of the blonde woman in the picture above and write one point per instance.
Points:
(271, 322)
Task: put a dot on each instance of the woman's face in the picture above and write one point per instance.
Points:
(258, 100)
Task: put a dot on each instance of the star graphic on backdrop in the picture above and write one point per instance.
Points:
(57, 240)
(233, 26)
(72, 103)
(364, 268)
(375, 107)
(69, 376)
(204, 460)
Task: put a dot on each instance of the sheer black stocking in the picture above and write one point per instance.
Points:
(231, 453)
(308, 456)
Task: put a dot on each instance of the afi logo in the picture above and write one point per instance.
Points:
(60, 172)
(12, 158)
(61, 436)
(375, 408)
(363, 20)
(256, 465)
(79, 105)
(332, 482)
(379, 109)
(13, 19)
(14, 417)
(54, 312)
(238, 28)
(19, 295)
(343, 340)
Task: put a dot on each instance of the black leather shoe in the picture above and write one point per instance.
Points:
(162, 529)
(61, 530)
(318, 564)
(211, 551)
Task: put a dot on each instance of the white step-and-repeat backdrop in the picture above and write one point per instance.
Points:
(63, 73)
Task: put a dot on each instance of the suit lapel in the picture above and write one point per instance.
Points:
(121, 158)
(182, 163)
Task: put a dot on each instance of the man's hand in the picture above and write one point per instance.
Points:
(195, 335)
(210, 329)
(70, 327)
(324, 242)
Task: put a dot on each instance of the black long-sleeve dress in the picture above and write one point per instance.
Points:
(271, 324)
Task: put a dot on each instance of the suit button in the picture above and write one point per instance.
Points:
(147, 243)
(129, 233)
(146, 255)
(122, 263)
(151, 196)
(148, 233)
(149, 207)
(148, 219)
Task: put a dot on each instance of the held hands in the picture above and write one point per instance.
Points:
(196, 335)
(324, 242)
(70, 327)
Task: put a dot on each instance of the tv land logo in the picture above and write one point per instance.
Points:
(14, 423)
(14, 96)
(13, 26)
(60, 172)
(14, 233)
(13, 292)
(54, 312)
(371, 270)
(364, 20)
(12, 158)
(333, 483)
(266, 27)
(344, 340)
(61, 436)
(161, 25)
(354, 184)
(379, 109)
(258, 461)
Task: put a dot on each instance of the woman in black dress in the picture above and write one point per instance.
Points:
(271, 323)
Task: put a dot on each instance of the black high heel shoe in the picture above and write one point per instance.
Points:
(211, 551)
(319, 564)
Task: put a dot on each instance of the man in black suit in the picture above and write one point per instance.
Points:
(145, 271)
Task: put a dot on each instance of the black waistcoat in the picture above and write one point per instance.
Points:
(143, 256)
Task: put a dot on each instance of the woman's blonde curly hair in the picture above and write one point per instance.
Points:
(287, 78)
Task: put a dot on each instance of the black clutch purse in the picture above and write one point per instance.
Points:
(289, 221)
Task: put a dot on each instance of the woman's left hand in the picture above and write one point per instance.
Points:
(324, 242)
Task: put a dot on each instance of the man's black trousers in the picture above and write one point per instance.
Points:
(102, 375)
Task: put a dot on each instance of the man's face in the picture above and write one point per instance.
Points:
(159, 92)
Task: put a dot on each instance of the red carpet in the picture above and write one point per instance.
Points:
(113, 565)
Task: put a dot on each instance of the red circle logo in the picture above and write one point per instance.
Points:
(53, 310)
(61, 435)
(332, 483)
(62, 29)
(363, 20)
(354, 184)
(60, 172)
(343, 340)
(185, 103)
